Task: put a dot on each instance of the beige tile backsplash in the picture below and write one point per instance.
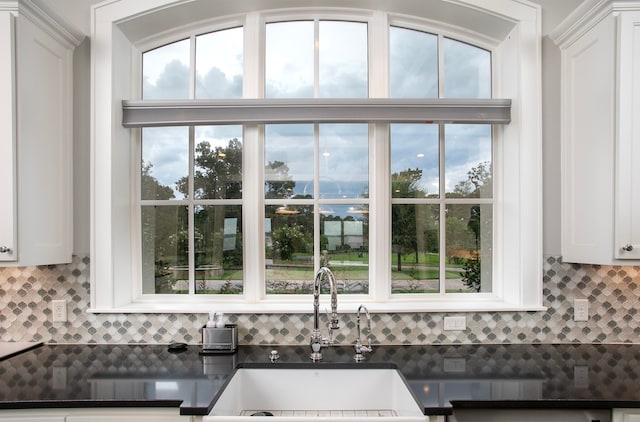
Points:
(613, 292)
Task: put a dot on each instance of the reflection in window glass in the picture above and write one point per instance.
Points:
(414, 161)
(341, 159)
(469, 247)
(165, 249)
(467, 70)
(413, 64)
(343, 60)
(468, 168)
(289, 60)
(218, 162)
(165, 162)
(344, 245)
(288, 161)
(219, 61)
(165, 72)
(289, 249)
(415, 245)
(344, 161)
(218, 249)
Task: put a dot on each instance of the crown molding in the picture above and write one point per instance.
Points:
(48, 24)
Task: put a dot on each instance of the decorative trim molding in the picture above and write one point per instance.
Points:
(586, 16)
(48, 24)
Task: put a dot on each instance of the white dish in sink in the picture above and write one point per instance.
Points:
(353, 395)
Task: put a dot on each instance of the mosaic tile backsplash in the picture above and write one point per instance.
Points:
(613, 292)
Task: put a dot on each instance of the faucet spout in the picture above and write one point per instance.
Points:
(360, 348)
(317, 341)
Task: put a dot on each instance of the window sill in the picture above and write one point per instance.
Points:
(305, 305)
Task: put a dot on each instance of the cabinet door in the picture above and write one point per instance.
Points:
(588, 91)
(48, 415)
(626, 415)
(532, 415)
(7, 137)
(627, 223)
(45, 146)
(119, 415)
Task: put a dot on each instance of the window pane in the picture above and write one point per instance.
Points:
(469, 239)
(218, 162)
(288, 161)
(414, 161)
(468, 165)
(219, 63)
(344, 245)
(467, 70)
(289, 249)
(413, 64)
(415, 245)
(165, 162)
(289, 60)
(165, 249)
(218, 249)
(165, 72)
(344, 161)
(343, 60)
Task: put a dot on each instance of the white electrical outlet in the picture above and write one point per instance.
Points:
(581, 309)
(455, 323)
(59, 307)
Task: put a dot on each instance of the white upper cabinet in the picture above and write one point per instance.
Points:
(600, 53)
(36, 140)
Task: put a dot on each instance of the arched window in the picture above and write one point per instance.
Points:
(276, 143)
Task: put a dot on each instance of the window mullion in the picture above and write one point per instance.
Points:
(380, 214)
(253, 57)
(316, 58)
(191, 214)
(316, 190)
(253, 213)
(378, 31)
(192, 67)
(443, 210)
(440, 67)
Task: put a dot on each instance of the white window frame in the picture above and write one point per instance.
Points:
(517, 200)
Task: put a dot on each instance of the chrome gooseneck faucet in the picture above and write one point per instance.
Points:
(317, 341)
(360, 348)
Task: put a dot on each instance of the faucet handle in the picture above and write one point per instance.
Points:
(334, 322)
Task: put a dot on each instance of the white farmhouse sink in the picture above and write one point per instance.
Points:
(350, 395)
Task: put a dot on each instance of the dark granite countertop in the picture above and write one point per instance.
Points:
(471, 376)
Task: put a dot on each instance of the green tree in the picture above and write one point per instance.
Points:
(150, 187)
(479, 183)
(217, 175)
(287, 240)
(217, 172)
(403, 216)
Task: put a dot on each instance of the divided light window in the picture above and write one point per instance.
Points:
(317, 192)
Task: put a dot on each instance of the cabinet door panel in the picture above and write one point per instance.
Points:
(627, 222)
(44, 147)
(588, 146)
(7, 137)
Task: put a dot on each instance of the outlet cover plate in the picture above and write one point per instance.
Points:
(581, 309)
(455, 323)
(59, 308)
